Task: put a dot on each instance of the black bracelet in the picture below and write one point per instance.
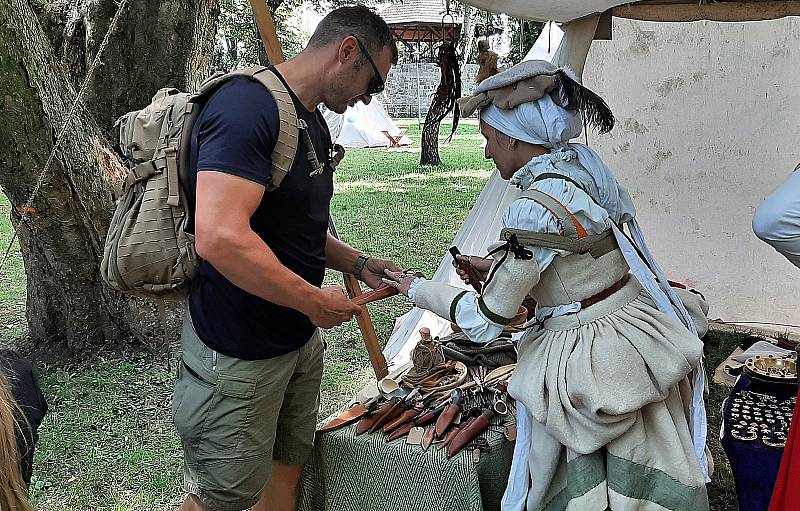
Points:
(358, 267)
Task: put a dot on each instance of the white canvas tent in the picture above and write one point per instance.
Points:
(707, 126)
(363, 126)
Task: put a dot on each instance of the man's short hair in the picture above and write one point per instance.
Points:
(359, 20)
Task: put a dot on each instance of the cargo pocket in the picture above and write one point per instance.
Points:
(191, 404)
(229, 414)
(179, 391)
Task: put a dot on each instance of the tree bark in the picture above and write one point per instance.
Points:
(159, 43)
(61, 240)
(429, 154)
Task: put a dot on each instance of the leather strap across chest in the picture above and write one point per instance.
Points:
(574, 237)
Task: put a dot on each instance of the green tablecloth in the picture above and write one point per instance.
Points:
(365, 473)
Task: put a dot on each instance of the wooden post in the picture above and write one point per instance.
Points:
(364, 320)
(266, 27)
(367, 328)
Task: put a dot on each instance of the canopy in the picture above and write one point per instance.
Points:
(649, 10)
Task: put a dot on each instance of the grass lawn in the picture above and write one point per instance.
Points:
(108, 441)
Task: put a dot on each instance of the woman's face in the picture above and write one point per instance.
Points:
(501, 150)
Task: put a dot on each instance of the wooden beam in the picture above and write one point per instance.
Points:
(364, 320)
(719, 11)
(266, 27)
(367, 328)
(604, 30)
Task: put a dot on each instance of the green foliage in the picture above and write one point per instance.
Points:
(238, 42)
(523, 35)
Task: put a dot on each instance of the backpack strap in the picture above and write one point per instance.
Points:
(290, 126)
(338, 155)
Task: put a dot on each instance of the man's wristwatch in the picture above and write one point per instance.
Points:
(358, 267)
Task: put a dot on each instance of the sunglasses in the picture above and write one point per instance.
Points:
(376, 83)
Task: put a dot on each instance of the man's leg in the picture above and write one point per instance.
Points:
(192, 504)
(296, 427)
(226, 412)
(280, 493)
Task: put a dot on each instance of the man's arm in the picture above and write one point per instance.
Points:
(224, 238)
(342, 257)
(777, 219)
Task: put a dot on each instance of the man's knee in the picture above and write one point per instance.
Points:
(286, 473)
(192, 503)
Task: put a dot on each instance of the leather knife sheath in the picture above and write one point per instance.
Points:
(469, 432)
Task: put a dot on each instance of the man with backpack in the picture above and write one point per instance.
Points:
(247, 394)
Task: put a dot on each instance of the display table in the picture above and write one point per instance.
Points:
(755, 463)
(365, 473)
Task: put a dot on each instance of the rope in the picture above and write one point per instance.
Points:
(427, 355)
(70, 115)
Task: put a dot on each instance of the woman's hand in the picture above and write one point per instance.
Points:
(401, 280)
(482, 265)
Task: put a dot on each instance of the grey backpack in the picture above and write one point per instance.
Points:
(148, 250)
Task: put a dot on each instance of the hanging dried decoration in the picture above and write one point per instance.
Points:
(443, 102)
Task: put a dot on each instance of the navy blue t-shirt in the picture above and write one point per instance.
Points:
(235, 134)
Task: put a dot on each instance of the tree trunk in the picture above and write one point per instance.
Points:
(62, 240)
(429, 155)
(468, 35)
(158, 43)
(69, 307)
(201, 47)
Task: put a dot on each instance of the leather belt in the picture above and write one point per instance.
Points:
(602, 295)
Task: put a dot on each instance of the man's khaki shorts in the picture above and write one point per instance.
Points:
(235, 416)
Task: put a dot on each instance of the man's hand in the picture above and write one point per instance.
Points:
(480, 264)
(330, 307)
(373, 272)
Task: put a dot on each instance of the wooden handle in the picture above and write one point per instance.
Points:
(266, 28)
(374, 295)
(364, 320)
(466, 266)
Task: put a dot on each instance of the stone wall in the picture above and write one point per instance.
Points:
(400, 96)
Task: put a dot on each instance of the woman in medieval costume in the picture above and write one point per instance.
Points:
(608, 386)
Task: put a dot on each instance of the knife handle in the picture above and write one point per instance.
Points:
(374, 295)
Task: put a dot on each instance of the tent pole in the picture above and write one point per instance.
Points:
(419, 101)
(269, 36)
